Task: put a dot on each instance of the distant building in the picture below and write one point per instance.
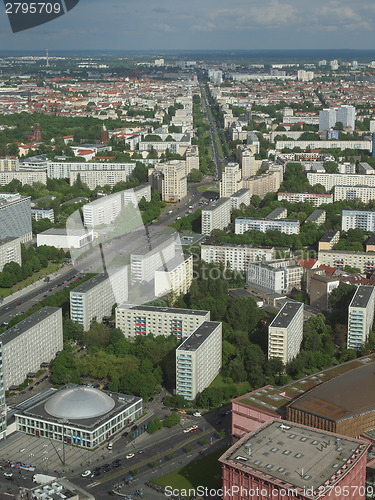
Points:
(317, 217)
(144, 320)
(327, 118)
(29, 177)
(144, 261)
(15, 217)
(277, 214)
(43, 213)
(285, 333)
(102, 211)
(231, 181)
(351, 193)
(135, 195)
(314, 198)
(365, 262)
(9, 164)
(279, 276)
(268, 182)
(361, 316)
(358, 219)
(170, 179)
(320, 290)
(199, 360)
(10, 251)
(35, 340)
(240, 197)
(346, 115)
(287, 226)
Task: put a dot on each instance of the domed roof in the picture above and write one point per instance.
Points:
(78, 403)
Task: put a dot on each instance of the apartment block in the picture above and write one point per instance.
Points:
(245, 157)
(241, 197)
(29, 344)
(236, 257)
(327, 118)
(279, 276)
(169, 179)
(25, 177)
(191, 159)
(370, 243)
(199, 360)
(365, 168)
(365, 262)
(320, 290)
(8, 164)
(268, 182)
(314, 199)
(98, 178)
(61, 170)
(144, 320)
(43, 213)
(216, 216)
(94, 299)
(317, 217)
(102, 211)
(3, 405)
(145, 260)
(365, 145)
(346, 115)
(136, 194)
(277, 214)
(10, 251)
(231, 180)
(328, 240)
(285, 333)
(358, 219)
(287, 226)
(15, 217)
(330, 181)
(350, 193)
(174, 277)
(361, 316)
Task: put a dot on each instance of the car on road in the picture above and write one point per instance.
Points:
(87, 473)
(141, 451)
(135, 427)
(124, 434)
(197, 414)
(8, 474)
(218, 422)
(130, 455)
(193, 430)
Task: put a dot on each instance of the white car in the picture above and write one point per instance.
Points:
(87, 473)
(197, 414)
(130, 455)
(188, 429)
(8, 474)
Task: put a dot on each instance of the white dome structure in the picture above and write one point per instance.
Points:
(79, 403)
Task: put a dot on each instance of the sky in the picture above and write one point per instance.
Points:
(201, 25)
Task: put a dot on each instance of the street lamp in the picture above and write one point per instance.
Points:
(63, 422)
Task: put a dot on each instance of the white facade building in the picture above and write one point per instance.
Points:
(327, 118)
(315, 199)
(241, 197)
(145, 261)
(199, 360)
(175, 277)
(10, 251)
(279, 276)
(144, 320)
(231, 181)
(361, 316)
(236, 257)
(27, 345)
(216, 216)
(65, 238)
(363, 193)
(287, 226)
(102, 212)
(332, 180)
(285, 333)
(358, 219)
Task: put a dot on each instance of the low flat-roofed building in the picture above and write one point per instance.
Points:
(134, 320)
(198, 360)
(316, 199)
(328, 240)
(287, 226)
(59, 489)
(287, 460)
(79, 415)
(345, 404)
(65, 238)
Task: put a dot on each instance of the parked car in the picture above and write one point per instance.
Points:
(130, 455)
(197, 414)
(87, 473)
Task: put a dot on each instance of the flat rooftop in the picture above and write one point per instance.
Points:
(239, 193)
(25, 325)
(156, 244)
(8, 239)
(291, 455)
(218, 204)
(234, 245)
(328, 236)
(259, 219)
(165, 310)
(66, 232)
(362, 296)
(174, 263)
(200, 335)
(343, 397)
(286, 315)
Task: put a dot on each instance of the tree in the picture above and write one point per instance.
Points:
(172, 420)
(195, 175)
(243, 314)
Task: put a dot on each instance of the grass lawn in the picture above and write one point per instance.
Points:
(218, 145)
(203, 472)
(4, 292)
(206, 187)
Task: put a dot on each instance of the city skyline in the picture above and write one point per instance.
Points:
(209, 25)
